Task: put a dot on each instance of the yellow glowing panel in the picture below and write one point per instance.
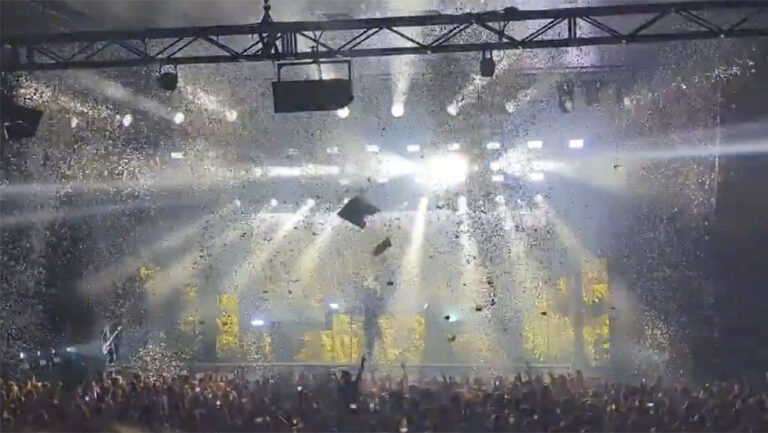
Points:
(318, 347)
(597, 334)
(400, 342)
(548, 337)
(227, 339)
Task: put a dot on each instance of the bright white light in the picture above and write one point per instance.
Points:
(304, 170)
(343, 113)
(493, 145)
(499, 199)
(310, 202)
(453, 147)
(538, 198)
(73, 122)
(231, 115)
(334, 150)
(461, 204)
(127, 120)
(343, 181)
(257, 322)
(177, 155)
(495, 165)
(237, 202)
(536, 176)
(426, 305)
(70, 349)
(21, 355)
(453, 109)
(576, 143)
(413, 148)
(452, 318)
(398, 109)
(444, 171)
(535, 144)
(372, 148)
(497, 178)
(273, 202)
(382, 180)
(333, 306)
(178, 117)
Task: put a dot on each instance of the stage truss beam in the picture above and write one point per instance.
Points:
(508, 29)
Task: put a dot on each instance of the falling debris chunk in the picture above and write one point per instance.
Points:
(356, 210)
(543, 313)
(382, 246)
(447, 317)
(478, 308)
(452, 338)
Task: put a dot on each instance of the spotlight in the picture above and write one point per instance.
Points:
(178, 117)
(535, 144)
(334, 150)
(257, 322)
(487, 65)
(21, 355)
(536, 176)
(273, 202)
(127, 120)
(493, 145)
(445, 171)
(495, 165)
(413, 148)
(565, 96)
(70, 349)
(177, 155)
(382, 180)
(453, 147)
(497, 178)
(343, 113)
(168, 80)
(398, 109)
(453, 109)
(372, 148)
(231, 115)
(333, 306)
(576, 143)
(18, 121)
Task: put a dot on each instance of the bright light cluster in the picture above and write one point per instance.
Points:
(444, 171)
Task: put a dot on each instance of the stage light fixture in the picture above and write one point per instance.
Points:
(18, 121)
(372, 148)
(493, 145)
(398, 109)
(497, 178)
(576, 143)
(273, 202)
(177, 155)
(343, 113)
(536, 176)
(413, 148)
(453, 147)
(333, 306)
(168, 78)
(178, 117)
(487, 65)
(257, 322)
(127, 120)
(535, 144)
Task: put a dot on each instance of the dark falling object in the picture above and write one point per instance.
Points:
(356, 210)
(447, 317)
(382, 246)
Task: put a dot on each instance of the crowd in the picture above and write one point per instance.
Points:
(343, 403)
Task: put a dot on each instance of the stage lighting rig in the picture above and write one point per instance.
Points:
(168, 79)
(487, 65)
(313, 95)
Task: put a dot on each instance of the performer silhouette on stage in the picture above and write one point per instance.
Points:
(110, 340)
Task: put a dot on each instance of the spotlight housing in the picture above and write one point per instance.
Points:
(168, 80)
(487, 65)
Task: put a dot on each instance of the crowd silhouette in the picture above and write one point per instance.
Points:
(303, 402)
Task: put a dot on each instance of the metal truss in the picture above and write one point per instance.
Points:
(508, 29)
